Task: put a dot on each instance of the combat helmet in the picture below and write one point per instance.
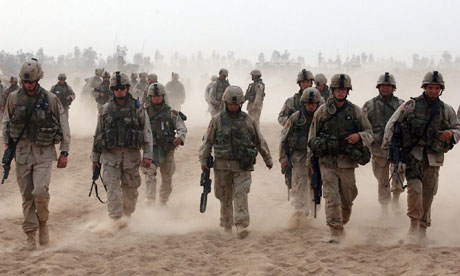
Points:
(62, 76)
(156, 89)
(213, 78)
(320, 79)
(13, 79)
(305, 75)
(31, 70)
(119, 79)
(106, 75)
(341, 81)
(143, 75)
(99, 71)
(224, 72)
(310, 95)
(256, 72)
(152, 77)
(386, 78)
(433, 78)
(233, 95)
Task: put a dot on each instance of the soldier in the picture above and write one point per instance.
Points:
(35, 121)
(93, 82)
(151, 78)
(64, 93)
(10, 89)
(294, 138)
(379, 110)
(236, 139)
(133, 79)
(217, 91)
(176, 92)
(123, 128)
(208, 90)
(255, 96)
(339, 136)
(102, 93)
(429, 129)
(141, 86)
(292, 104)
(168, 132)
(321, 85)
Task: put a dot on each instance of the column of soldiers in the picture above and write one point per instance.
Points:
(325, 126)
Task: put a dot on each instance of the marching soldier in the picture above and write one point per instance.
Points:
(64, 93)
(255, 96)
(321, 85)
(141, 86)
(102, 93)
(176, 92)
(236, 139)
(151, 78)
(217, 91)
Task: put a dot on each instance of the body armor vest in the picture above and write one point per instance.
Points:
(162, 127)
(251, 93)
(62, 91)
(221, 85)
(298, 138)
(414, 127)
(383, 110)
(43, 128)
(105, 90)
(122, 126)
(233, 140)
(296, 104)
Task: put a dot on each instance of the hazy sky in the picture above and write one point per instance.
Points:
(386, 28)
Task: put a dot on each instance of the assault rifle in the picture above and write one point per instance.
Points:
(206, 181)
(316, 182)
(96, 174)
(396, 154)
(8, 156)
(288, 172)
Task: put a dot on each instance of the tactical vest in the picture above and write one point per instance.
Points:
(233, 141)
(43, 128)
(381, 113)
(221, 85)
(62, 91)
(413, 128)
(161, 121)
(296, 104)
(251, 92)
(107, 94)
(122, 126)
(298, 138)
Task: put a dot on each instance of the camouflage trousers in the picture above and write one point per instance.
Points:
(33, 181)
(339, 190)
(167, 168)
(232, 188)
(382, 167)
(255, 114)
(300, 190)
(422, 186)
(122, 187)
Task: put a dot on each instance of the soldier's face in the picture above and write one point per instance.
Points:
(340, 94)
(157, 99)
(233, 107)
(13, 83)
(305, 84)
(311, 107)
(222, 77)
(106, 79)
(254, 77)
(433, 90)
(142, 78)
(30, 85)
(385, 89)
(61, 81)
(120, 91)
(320, 86)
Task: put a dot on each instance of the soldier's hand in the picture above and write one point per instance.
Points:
(353, 138)
(62, 161)
(96, 164)
(146, 163)
(446, 135)
(284, 167)
(204, 167)
(177, 142)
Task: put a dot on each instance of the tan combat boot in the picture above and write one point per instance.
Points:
(31, 244)
(422, 232)
(242, 232)
(43, 234)
(395, 207)
(228, 229)
(337, 235)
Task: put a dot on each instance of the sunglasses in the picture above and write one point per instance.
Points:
(121, 87)
(28, 81)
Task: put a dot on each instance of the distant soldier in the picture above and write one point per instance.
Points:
(133, 79)
(141, 86)
(340, 135)
(429, 128)
(292, 104)
(255, 96)
(102, 93)
(379, 110)
(35, 120)
(294, 138)
(217, 91)
(10, 89)
(321, 85)
(168, 132)
(93, 82)
(151, 78)
(176, 92)
(236, 139)
(64, 93)
(123, 128)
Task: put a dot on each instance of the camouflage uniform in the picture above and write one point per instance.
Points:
(122, 130)
(140, 88)
(6, 92)
(215, 95)
(325, 93)
(427, 156)
(378, 111)
(166, 124)
(176, 94)
(107, 94)
(236, 139)
(291, 105)
(62, 92)
(255, 97)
